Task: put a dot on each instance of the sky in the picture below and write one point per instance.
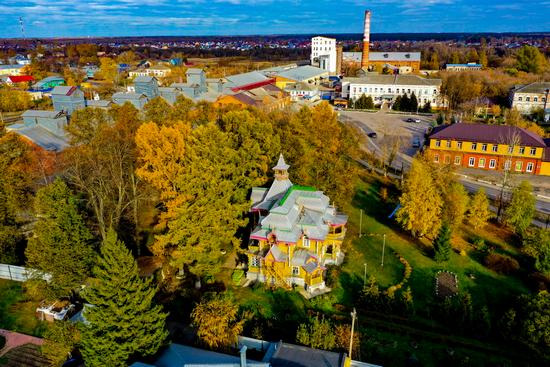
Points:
(70, 18)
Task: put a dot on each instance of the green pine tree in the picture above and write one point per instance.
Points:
(413, 104)
(405, 103)
(397, 104)
(61, 245)
(442, 244)
(123, 321)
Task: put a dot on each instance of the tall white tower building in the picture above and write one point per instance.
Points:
(323, 53)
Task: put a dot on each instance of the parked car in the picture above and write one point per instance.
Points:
(416, 142)
(416, 120)
(410, 119)
(372, 135)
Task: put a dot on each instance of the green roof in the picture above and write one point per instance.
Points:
(295, 188)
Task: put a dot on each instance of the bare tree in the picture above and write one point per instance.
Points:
(512, 140)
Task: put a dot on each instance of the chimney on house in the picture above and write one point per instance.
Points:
(366, 41)
(243, 356)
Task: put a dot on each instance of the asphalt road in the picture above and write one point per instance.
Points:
(365, 121)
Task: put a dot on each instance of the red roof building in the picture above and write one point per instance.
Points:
(14, 79)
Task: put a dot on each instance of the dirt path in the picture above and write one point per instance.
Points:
(14, 340)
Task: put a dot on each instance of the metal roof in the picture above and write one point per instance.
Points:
(41, 137)
(64, 90)
(303, 73)
(16, 66)
(484, 133)
(246, 78)
(537, 87)
(383, 56)
(399, 79)
(144, 79)
(42, 113)
(128, 95)
(289, 355)
(98, 103)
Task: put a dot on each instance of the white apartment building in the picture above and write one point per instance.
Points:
(527, 98)
(323, 53)
(385, 88)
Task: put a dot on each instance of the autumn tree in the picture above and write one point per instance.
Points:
(456, 201)
(108, 69)
(86, 123)
(421, 202)
(442, 244)
(479, 212)
(62, 244)
(521, 209)
(460, 88)
(159, 111)
(104, 167)
(536, 244)
(12, 100)
(124, 320)
(316, 333)
(217, 322)
(531, 60)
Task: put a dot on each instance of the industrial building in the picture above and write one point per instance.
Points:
(402, 62)
(326, 54)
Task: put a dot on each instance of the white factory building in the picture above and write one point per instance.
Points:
(527, 98)
(385, 88)
(324, 54)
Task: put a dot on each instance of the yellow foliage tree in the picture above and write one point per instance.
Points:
(479, 212)
(421, 201)
(217, 323)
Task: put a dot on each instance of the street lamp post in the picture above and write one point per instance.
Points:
(383, 250)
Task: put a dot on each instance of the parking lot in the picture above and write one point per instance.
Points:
(389, 126)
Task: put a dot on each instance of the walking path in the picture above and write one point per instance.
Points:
(14, 340)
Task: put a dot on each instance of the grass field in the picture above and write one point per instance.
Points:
(389, 335)
(16, 312)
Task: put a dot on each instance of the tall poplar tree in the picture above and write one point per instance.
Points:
(62, 244)
(479, 212)
(123, 322)
(519, 214)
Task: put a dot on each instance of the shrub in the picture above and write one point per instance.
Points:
(2, 342)
(501, 264)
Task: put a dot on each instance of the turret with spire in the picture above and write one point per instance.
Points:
(281, 169)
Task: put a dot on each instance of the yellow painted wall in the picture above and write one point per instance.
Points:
(502, 149)
(10, 71)
(281, 82)
(545, 169)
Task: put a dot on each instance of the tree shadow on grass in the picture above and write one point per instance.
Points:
(351, 285)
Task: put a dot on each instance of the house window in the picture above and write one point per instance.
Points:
(305, 242)
(495, 148)
(535, 99)
(520, 99)
(474, 146)
(447, 159)
(448, 143)
(483, 147)
(472, 162)
(436, 158)
(457, 160)
(519, 165)
(295, 270)
(510, 149)
(254, 262)
(533, 151)
(527, 99)
(507, 164)
(521, 150)
(459, 145)
(529, 167)
(437, 143)
(492, 163)
(481, 162)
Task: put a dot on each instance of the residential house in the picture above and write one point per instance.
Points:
(386, 88)
(490, 147)
(526, 98)
(68, 99)
(19, 79)
(11, 69)
(147, 85)
(46, 129)
(296, 233)
(137, 99)
(49, 83)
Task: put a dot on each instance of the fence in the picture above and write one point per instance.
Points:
(17, 273)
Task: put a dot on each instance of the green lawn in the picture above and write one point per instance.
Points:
(16, 312)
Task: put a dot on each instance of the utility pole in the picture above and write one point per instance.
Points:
(365, 276)
(361, 224)
(353, 316)
(383, 250)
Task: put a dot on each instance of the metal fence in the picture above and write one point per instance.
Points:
(17, 273)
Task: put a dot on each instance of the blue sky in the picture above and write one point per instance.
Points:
(65, 18)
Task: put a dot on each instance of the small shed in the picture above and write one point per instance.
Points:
(68, 99)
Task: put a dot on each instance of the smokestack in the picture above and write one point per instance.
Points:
(366, 41)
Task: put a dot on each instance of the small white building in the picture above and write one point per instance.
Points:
(323, 53)
(463, 67)
(386, 88)
(526, 98)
